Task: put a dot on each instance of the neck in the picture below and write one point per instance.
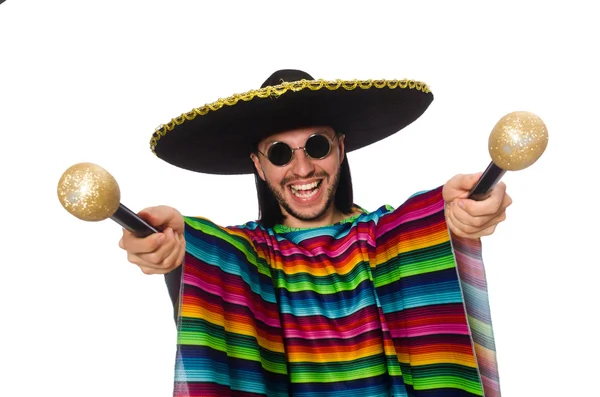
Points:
(329, 217)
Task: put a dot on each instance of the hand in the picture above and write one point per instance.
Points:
(470, 218)
(158, 253)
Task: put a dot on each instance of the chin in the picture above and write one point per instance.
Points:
(308, 212)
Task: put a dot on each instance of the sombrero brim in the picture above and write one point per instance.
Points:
(218, 138)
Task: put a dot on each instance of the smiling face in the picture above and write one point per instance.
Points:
(305, 187)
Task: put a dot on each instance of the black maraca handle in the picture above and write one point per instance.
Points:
(486, 183)
(132, 222)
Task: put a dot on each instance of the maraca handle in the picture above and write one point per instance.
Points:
(130, 221)
(486, 183)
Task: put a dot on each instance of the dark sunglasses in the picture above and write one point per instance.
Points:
(317, 146)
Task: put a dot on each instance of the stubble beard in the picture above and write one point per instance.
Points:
(278, 194)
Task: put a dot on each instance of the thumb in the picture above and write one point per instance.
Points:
(468, 181)
(460, 186)
(157, 216)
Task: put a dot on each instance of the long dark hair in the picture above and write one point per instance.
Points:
(269, 212)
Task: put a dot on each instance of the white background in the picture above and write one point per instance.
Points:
(90, 80)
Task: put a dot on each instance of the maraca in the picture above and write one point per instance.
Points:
(516, 142)
(90, 193)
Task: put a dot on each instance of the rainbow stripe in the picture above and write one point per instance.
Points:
(388, 304)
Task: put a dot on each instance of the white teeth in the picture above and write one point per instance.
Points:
(305, 191)
(303, 194)
(305, 187)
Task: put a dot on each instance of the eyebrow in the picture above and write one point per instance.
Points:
(320, 131)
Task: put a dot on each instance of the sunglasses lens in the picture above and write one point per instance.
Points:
(280, 154)
(317, 147)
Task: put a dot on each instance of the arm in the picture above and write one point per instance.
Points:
(159, 253)
(471, 272)
(467, 221)
(173, 282)
(431, 284)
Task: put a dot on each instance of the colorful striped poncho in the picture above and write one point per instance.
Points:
(383, 304)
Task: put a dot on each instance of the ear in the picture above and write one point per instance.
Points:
(258, 166)
(341, 147)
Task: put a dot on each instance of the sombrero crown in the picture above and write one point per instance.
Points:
(218, 138)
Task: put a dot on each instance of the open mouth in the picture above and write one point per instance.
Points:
(306, 190)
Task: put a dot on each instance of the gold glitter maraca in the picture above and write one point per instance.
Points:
(90, 193)
(517, 141)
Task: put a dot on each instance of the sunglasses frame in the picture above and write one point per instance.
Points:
(330, 141)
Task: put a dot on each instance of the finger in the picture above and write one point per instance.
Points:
(141, 245)
(482, 233)
(487, 231)
(450, 222)
(156, 216)
(489, 206)
(150, 270)
(149, 254)
(161, 216)
(506, 202)
(182, 247)
(156, 259)
(466, 182)
(462, 217)
(473, 234)
(170, 262)
(455, 224)
(459, 186)
(175, 257)
(476, 225)
(497, 195)
(150, 261)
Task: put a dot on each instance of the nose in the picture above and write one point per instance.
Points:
(302, 165)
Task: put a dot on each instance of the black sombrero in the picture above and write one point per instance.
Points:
(218, 138)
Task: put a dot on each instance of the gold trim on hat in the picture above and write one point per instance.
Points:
(278, 90)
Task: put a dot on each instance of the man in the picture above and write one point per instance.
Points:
(320, 296)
